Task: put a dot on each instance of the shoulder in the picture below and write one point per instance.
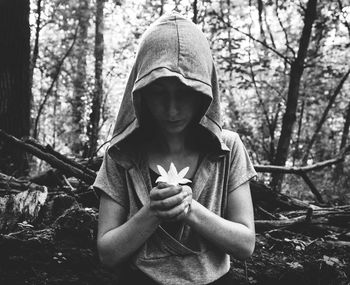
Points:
(230, 138)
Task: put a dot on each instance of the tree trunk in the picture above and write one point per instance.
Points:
(14, 81)
(339, 169)
(95, 115)
(345, 134)
(195, 12)
(296, 72)
(161, 11)
(79, 82)
(260, 10)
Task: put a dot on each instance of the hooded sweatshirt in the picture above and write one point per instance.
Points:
(175, 47)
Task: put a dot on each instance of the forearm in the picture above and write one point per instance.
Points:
(119, 243)
(234, 238)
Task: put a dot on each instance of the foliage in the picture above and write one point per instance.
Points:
(253, 43)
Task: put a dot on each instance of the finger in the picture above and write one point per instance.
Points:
(163, 193)
(187, 189)
(181, 215)
(173, 212)
(162, 185)
(169, 202)
(188, 193)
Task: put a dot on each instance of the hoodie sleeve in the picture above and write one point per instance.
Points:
(111, 180)
(241, 168)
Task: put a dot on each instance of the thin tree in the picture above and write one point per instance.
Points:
(296, 72)
(95, 114)
(161, 10)
(339, 169)
(195, 12)
(80, 78)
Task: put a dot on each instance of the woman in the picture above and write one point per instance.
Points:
(182, 233)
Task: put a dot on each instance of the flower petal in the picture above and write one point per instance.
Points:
(184, 181)
(162, 171)
(172, 177)
(172, 170)
(162, 179)
(183, 172)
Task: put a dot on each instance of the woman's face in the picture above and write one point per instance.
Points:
(172, 104)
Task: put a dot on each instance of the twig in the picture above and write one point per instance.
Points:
(267, 213)
(264, 44)
(67, 182)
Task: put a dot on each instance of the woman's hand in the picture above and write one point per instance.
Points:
(170, 203)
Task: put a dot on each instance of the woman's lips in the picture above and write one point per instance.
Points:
(174, 122)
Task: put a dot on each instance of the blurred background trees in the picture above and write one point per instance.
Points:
(283, 68)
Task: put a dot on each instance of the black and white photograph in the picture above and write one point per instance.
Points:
(174, 142)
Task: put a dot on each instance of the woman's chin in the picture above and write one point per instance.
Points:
(174, 130)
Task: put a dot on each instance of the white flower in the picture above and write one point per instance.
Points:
(172, 177)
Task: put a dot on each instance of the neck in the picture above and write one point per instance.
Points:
(174, 144)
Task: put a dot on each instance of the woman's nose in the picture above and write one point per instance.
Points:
(172, 107)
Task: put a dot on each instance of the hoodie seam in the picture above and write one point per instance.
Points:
(214, 122)
(123, 129)
(178, 43)
(186, 77)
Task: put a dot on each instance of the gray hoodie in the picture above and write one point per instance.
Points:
(174, 46)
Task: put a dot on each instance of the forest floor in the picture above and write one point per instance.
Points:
(65, 253)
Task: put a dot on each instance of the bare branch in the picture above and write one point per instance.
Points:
(48, 92)
(264, 44)
(325, 114)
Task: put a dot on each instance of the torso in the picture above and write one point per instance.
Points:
(189, 158)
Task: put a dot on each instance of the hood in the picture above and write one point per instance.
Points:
(171, 47)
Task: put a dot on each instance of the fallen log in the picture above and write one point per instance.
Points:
(272, 201)
(52, 177)
(49, 150)
(319, 212)
(320, 220)
(264, 225)
(302, 170)
(9, 183)
(55, 162)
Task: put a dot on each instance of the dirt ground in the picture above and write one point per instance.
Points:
(65, 253)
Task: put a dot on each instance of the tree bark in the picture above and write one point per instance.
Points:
(95, 115)
(14, 81)
(80, 80)
(195, 12)
(339, 170)
(296, 73)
